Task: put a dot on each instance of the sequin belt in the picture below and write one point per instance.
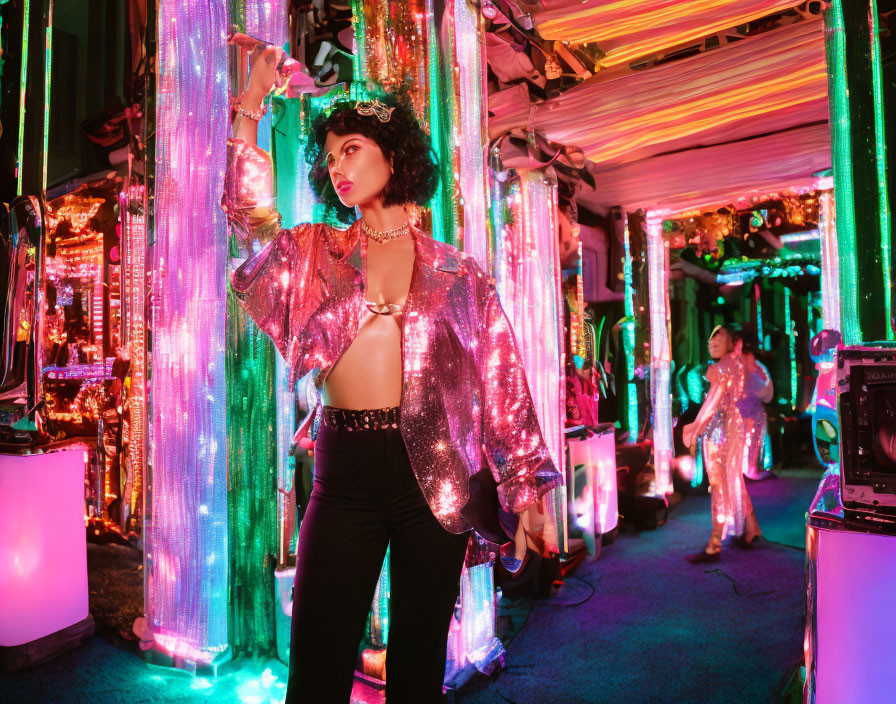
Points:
(368, 419)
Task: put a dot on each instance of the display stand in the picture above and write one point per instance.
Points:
(850, 581)
(43, 553)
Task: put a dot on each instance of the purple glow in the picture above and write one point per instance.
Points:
(855, 634)
(43, 546)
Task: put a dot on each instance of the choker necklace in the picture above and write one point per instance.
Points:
(385, 235)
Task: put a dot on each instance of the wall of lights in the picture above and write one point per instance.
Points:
(186, 552)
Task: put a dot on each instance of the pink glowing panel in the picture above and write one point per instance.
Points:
(594, 506)
(855, 630)
(43, 546)
(606, 504)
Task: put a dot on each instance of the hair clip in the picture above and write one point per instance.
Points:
(375, 107)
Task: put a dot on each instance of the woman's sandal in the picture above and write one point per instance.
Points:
(741, 542)
(701, 557)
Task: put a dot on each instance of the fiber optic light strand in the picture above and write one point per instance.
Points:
(23, 89)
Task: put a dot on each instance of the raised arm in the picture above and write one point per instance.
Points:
(276, 284)
(248, 184)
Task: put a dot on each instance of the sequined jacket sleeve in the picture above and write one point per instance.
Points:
(276, 284)
(511, 434)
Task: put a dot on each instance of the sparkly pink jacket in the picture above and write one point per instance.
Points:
(464, 390)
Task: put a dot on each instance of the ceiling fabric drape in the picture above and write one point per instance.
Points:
(629, 29)
(767, 83)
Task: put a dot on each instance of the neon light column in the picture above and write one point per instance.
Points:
(527, 273)
(23, 92)
(186, 551)
(470, 131)
(48, 77)
(858, 158)
(133, 275)
(628, 340)
(258, 401)
(660, 353)
(830, 264)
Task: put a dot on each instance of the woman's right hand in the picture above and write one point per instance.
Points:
(263, 74)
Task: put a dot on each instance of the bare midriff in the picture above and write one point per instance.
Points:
(369, 373)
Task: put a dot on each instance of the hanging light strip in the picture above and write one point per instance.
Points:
(23, 91)
(133, 295)
(660, 353)
(830, 266)
(48, 75)
(628, 335)
(470, 137)
(790, 327)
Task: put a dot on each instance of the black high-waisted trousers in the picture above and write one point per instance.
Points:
(364, 497)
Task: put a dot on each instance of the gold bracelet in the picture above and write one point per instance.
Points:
(237, 106)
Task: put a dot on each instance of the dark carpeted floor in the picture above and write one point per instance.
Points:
(638, 625)
(658, 629)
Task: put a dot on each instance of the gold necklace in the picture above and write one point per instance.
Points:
(385, 235)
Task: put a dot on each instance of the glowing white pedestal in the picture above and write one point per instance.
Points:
(43, 555)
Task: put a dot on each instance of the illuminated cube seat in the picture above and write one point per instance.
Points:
(43, 556)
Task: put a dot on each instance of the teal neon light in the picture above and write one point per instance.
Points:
(358, 64)
(628, 339)
(759, 332)
(791, 339)
(23, 85)
(48, 76)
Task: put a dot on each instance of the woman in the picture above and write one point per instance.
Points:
(721, 427)
(419, 373)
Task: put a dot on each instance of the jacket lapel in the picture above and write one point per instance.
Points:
(436, 266)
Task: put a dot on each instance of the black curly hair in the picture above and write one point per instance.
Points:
(402, 138)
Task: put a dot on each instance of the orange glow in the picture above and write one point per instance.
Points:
(629, 29)
(774, 93)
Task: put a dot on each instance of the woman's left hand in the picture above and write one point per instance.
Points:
(688, 434)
